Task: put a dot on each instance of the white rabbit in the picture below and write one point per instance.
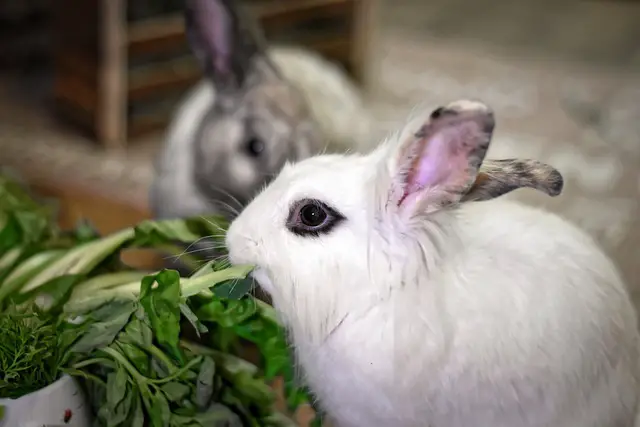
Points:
(414, 300)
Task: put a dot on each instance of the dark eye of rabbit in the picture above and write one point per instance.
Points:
(255, 147)
(309, 217)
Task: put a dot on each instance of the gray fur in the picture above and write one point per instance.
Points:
(499, 177)
(205, 162)
(205, 166)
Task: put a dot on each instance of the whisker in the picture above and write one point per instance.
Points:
(230, 210)
(195, 243)
(233, 285)
(203, 249)
(213, 224)
(229, 196)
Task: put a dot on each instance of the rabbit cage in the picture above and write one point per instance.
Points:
(121, 65)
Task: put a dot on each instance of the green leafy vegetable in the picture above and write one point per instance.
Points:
(31, 351)
(68, 304)
(160, 297)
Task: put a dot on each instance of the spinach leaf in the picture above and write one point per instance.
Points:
(160, 297)
(205, 382)
(175, 391)
(104, 326)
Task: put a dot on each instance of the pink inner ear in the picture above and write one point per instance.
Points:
(432, 165)
(441, 161)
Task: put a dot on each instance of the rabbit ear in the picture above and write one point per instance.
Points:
(221, 41)
(437, 165)
(498, 177)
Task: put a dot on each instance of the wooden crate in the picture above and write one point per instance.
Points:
(121, 65)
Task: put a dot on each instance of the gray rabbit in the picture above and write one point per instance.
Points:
(256, 109)
(238, 126)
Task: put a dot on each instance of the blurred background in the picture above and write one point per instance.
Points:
(87, 88)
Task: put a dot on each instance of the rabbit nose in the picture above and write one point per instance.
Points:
(239, 246)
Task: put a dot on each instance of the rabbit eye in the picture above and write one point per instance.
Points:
(255, 147)
(312, 217)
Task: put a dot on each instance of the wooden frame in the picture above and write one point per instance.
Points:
(103, 83)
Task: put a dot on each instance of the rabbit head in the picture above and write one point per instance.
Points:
(257, 121)
(334, 231)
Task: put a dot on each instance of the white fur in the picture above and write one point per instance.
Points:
(490, 315)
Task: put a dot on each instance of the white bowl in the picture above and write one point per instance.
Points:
(61, 404)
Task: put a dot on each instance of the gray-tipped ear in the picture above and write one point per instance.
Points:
(499, 177)
(222, 41)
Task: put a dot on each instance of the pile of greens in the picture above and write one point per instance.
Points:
(151, 348)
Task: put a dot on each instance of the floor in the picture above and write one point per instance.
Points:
(595, 32)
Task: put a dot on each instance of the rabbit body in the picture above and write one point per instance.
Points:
(415, 298)
(523, 322)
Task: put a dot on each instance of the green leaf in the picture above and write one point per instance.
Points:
(138, 331)
(9, 259)
(218, 415)
(81, 259)
(137, 419)
(226, 313)
(108, 323)
(85, 231)
(86, 301)
(10, 234)
(160, 297)
(193, 286)
(26, 270)
(205, 381)
(116, 386)
(160, 413)
(138, 358)
(193, 320)
(54, 293)
(234, 289)
(119, 398)
(108, 281)
(175, 391)
(253, 388)
(206, 268)
(153, 233)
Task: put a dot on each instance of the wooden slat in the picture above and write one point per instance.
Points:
(145, 125)
(366, 15)
(149, 80)
(112, 124)
(276, 16)
(168, 32)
